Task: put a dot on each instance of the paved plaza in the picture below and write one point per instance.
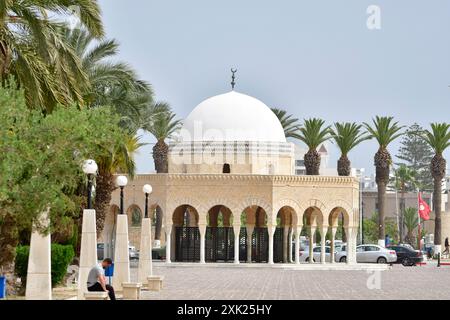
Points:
(240, 283)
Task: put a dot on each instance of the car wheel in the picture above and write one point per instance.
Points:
(307, 260)
(406, 262)
(381, 260)
(343, 259)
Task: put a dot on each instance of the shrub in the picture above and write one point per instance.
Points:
(61, 256)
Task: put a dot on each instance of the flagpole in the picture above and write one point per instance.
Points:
(418, 216)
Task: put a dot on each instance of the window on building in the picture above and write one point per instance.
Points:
(226, 168)
(299, 163)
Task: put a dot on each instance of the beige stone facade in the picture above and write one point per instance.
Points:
(312, 202)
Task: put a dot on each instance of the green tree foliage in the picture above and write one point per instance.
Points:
(416, 154)
(411, 222)
(370, 229)
(61, 256)
(40, 161)
(33, 50)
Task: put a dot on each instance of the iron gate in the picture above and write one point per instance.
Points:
(278, 245)
(260, 245)
(219, 244)
(187, 244)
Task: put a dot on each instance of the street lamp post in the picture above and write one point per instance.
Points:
(147, 189)
(90, 169)
(88, 249)
(121, 254)
(145, 257)
(121, 181)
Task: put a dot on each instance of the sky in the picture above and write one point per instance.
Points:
(313, 58)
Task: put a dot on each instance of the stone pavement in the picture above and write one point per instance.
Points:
(196, 283)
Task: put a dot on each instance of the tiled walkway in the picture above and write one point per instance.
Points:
(422, 282)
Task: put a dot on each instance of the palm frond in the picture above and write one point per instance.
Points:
(384, 130)
(313, 133)
(347, 136)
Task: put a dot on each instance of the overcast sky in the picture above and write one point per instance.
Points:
(314, 58)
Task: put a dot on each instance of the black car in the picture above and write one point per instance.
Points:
(407, 256)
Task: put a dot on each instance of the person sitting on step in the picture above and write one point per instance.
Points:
(96, 280)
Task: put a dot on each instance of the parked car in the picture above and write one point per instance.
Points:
(134, 254)
(304, 255)
(369, 253)
(406, 255)
(100, 251)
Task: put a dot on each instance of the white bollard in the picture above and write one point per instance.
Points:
(121, 254)
(145, 252)
(88, 250)
(39, 281)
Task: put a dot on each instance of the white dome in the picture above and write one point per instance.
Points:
(232, 116)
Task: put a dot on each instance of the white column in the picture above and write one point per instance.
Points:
(291, 234)
(88, 250)
(202, 229)
(121, 254)
(332, 249)
(297, 244)
(249, 228)
(271, 230)
(354, 234)
(39, 282)
(350, 248)
(285, 243)
(323, 235)
(145, 252)
(237, 230)
(168, 242)
(311, 243)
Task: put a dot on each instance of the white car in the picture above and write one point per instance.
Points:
(369, 253)
(304, 254)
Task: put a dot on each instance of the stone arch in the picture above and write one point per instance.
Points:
(297, 210)
(213, 216)
(336, 208)
(201, 211)
(185, 212)
(313, 216)
(223, 202)
(256, 202)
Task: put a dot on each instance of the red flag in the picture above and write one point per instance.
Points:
(424, 209)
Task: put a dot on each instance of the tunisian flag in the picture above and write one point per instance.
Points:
(424, 209)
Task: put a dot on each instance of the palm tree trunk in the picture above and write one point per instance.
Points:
(344, 166)
(437, 202)
(160, 157)
(438, 165)
(104, 188)
(312, 162)
(381, 209)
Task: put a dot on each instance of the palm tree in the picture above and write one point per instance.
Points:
(346, 136)
(313, 134)
(411, 221)
(32, 49)
(119, 159)
(290, 125)
(162, 125)
(113, 84)
(405, 180)
(384, 130)
(439, 140)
